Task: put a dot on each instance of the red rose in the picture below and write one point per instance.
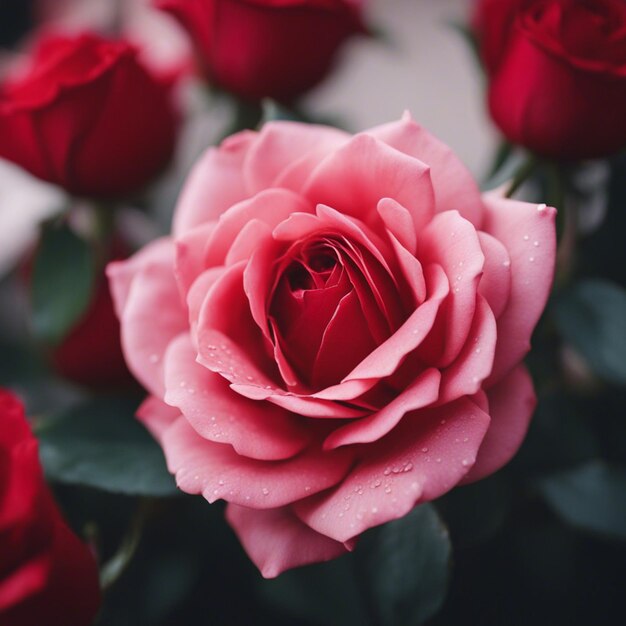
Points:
(334, 331)
(558, 74)
(47, 576)
(267, 48)
(87, 116)
(91, 354)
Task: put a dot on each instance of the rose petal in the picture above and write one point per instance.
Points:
(452, 242)
(495, 283)
(276, 540)
(527, 232)
(215, 184)
(254, 429)
(279, 144)
(217, 471)
(512, 402)
(399, 222)
(455, 188)
(271, 206)
(421, 393)
(384, 360)
(157, 416)
(151, 314)
(220, 354)
(475, 361)
(190, 253)
(356, 177)
(422, 458)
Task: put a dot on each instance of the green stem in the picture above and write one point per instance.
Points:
(111, 571)
(526, 170)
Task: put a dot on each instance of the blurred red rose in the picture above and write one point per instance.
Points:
(87, 116)
(267, 48)
(557, 73)
(47, 576)
(91, 355)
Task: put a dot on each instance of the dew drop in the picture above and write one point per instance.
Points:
(265, 491)
(507, 263)
(154, 358)
(542, 207)
(374, 509)
(387, 471)
(438, 459)
(478, 350)
(307, 488)
(408, 467)
(424, 450)
(532, 259)
(387, 489)
(464, 462)
(183, 383)
(526, 237)
(536, 244)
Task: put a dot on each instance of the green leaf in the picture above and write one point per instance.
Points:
(409, 566)
(100, 444)
(62, 282)
(591, 497)
(591, 316)
(297, 593)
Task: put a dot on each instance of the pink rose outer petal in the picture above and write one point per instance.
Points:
(455, 187)
(276, 540)
(527, 232)
(157, 416)
(423, 457)
(512, 402)
(215, 183)
(151, 315)
(216, 471)
(258, 430)
(421, 393)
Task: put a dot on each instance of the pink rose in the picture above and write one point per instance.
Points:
(334, 331)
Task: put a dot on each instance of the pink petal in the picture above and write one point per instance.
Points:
(151, 317)
(215, 183)
(421, 393)
(280, 144)
(399, 222)
(475, 361)
(271, 206)
(452, 242)
(527, 232)
(512, 403)
(346, 341)
(495, 283)
(276, 540)
(455, 188)
(122, 273)
(190, 253)
(384, 360)
(216, 471)
(198, 292)
(220, 354)
(411, 270)
(255, 429)
(357, 176)
(157, 416)
(423, 457)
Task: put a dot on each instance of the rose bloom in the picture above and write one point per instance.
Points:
(267, 48)
(334, 331)
(557, 73)
(86, 115)
(47, 576)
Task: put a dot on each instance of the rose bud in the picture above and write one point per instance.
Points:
(267, 49)
(340, 331)
(86, 115)
(47, 575)
(558, 74)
